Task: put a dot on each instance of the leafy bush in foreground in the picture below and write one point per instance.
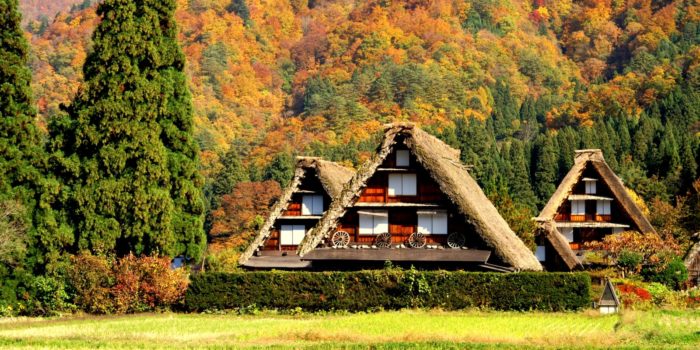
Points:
(388, 289)
(129, 284)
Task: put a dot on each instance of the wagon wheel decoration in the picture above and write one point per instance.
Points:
(383, 240)
(416, 240)
(340, 239)
(456, 240)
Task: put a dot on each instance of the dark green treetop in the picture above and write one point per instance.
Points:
(125, 150)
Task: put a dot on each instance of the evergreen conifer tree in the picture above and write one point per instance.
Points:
(125, 148)
(690, 166)
(546, 169)
(22, 159)
(519, 181)
(281, 169)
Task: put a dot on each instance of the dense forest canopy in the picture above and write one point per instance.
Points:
(516, 85)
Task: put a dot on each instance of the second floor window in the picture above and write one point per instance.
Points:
(603, 207)
(402, 185)
(312, 205)
(578, 207)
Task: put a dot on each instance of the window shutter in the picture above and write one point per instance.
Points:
(307, 204)
(381, 222)
(540, 253)
(395, 184)
(317, 205)
(568, 233)
(425, 223)
(366, 224)
(287, 234)
(409, 185)
(590, 187)
(578, 207)
(440, 223)
(299, 233)
(402, 158)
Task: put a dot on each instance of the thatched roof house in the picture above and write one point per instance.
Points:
(590, 202)
(692, 262)
(313, 177)
(438, 165)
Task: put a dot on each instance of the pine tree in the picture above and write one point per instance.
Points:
(546, 169)
(568, 142)
(505, 110)
(690, 166)
(125, 147)
(232, 173)
(623, 131)
(519, 181)
(22, 159)
(528, 120)
(281, 169)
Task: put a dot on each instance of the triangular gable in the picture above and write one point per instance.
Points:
(584, 160)
(332, 177)
(443, 165)
(593, 158)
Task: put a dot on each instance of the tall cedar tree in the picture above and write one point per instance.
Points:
(126, 145)
(22, 158)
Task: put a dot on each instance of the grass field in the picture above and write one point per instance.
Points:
(382, 330)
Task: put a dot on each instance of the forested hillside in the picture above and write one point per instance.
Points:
(516, 85)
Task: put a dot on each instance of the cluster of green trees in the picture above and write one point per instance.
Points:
(118, 171)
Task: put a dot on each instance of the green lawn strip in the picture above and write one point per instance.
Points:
(382, 330)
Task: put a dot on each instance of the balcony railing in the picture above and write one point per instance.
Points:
(583, 218)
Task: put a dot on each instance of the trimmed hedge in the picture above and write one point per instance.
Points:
(389, 289)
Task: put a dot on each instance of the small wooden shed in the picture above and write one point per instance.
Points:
(609, 302)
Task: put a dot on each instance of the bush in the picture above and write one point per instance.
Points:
(388, 289)
(673, 275)
(48, 296)
(128, 285)
(90, 279)
(634, 297)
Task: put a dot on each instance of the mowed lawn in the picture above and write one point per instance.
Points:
(381, 330)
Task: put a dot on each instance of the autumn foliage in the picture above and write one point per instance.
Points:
(242, 212)
(126, 285)
(652, 249)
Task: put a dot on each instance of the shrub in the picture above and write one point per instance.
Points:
(90, 278)
(634, 297)
(629, 260)
(673, 275)
(129, 284)
(388, 289)
(161, 286)
(48, 296)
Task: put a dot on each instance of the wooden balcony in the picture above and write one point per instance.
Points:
(583, 218)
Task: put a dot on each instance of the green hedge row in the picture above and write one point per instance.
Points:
(388, 289)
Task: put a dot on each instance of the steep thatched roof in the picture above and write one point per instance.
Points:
(560, 244)
(585, 159)
(442, 163)
(332, 177)
(692, 261)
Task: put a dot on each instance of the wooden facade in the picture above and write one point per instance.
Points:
(588, 224)
(294, 216)
(590, 203)
(403, 210)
